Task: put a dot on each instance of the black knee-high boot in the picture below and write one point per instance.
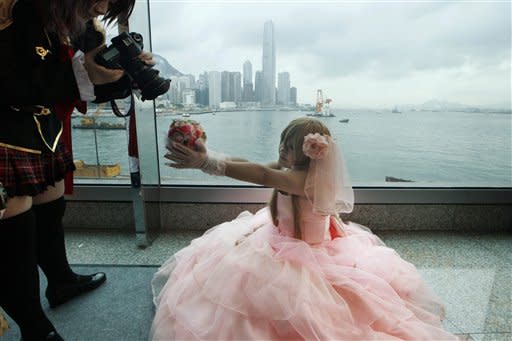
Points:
(63, 283)
(19, 286)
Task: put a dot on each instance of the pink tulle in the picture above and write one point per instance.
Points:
(249, 280)
(328, 186)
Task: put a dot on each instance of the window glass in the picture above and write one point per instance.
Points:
(100, 146)
(417, 94)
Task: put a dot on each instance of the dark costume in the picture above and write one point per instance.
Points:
(38, 93)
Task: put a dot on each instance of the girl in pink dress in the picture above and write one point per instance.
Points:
(293, 270)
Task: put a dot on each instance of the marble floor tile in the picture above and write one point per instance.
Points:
(492, 337)
(471, 273)
(477, 300)
(465, 337)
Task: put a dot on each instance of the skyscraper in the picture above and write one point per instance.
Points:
(214, 86)
(258, 86)
(231, 86)
(202, 91)
(283, 88)
(269, 65)
(293, 95)
(247, 91)
(247, 72)
(226, 84)
(236, 79)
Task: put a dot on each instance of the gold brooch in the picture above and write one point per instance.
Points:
(42, 52)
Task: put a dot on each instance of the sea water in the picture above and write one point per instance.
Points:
(430, 149)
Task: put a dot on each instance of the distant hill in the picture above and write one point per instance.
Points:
(165, 68)
(439, 105)
(446, 106)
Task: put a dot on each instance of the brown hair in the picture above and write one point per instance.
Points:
(293, 137)
(63, 17)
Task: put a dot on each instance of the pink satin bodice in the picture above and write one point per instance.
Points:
(315, 227)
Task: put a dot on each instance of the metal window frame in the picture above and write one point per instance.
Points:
(252, 195)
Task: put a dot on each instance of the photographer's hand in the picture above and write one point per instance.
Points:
(97, 73)
(147, 58)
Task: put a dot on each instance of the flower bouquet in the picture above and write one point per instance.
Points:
(186, 132)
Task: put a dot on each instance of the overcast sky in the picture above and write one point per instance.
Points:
(370, 54)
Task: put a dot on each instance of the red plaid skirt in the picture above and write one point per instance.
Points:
(23, 173)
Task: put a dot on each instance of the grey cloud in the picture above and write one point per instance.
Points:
(382, 41)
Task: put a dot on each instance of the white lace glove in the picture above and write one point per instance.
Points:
(184, 157)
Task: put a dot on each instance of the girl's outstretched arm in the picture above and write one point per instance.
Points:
(290, 181)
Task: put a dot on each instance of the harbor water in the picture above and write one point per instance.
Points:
(429, 149)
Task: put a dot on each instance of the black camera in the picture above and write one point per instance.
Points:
(123, 54)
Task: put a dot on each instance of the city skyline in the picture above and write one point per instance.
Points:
(367, 55)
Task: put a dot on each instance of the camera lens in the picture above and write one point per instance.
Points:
(137, 37)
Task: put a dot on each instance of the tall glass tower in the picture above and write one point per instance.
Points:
(247, 91)
(269, 65)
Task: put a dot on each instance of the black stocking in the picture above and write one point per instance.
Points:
(19, 286)
(51, 248)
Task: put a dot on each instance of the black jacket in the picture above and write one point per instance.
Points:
(31, 74)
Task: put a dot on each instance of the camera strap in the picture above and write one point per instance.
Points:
(118, 112)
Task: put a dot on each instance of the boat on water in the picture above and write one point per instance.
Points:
(96, 171)
(395, 179)
(345, 120)
(322, 113)
(395, 110)
(185, 114)
(90, 123)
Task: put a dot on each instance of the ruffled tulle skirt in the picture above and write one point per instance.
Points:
(242, 280)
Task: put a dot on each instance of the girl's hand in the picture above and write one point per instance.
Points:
(185, 157)
(99, 74)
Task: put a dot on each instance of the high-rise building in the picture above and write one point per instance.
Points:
(247, 72)
(269, 65)
(247, 91)
(236, 79)
(174, 93)
(231, 86)
(188, 97)
(187, 82)
(214, 91)
(226, 87)
(283, 88)
(293, 95)
(258, 86)
(202, 89)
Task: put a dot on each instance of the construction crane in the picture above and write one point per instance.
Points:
(322, 107)
(319, 101)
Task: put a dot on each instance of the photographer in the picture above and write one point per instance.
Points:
(42, 79)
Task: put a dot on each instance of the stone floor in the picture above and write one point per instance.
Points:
(472, 273)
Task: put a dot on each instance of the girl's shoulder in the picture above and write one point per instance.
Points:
(287, 180)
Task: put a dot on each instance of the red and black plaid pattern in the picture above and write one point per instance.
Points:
(24, 173)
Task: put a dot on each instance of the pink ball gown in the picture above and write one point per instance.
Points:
(247, 279)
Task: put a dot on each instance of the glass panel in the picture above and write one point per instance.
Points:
(100, 140)
(419, 92)
(100, 145)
